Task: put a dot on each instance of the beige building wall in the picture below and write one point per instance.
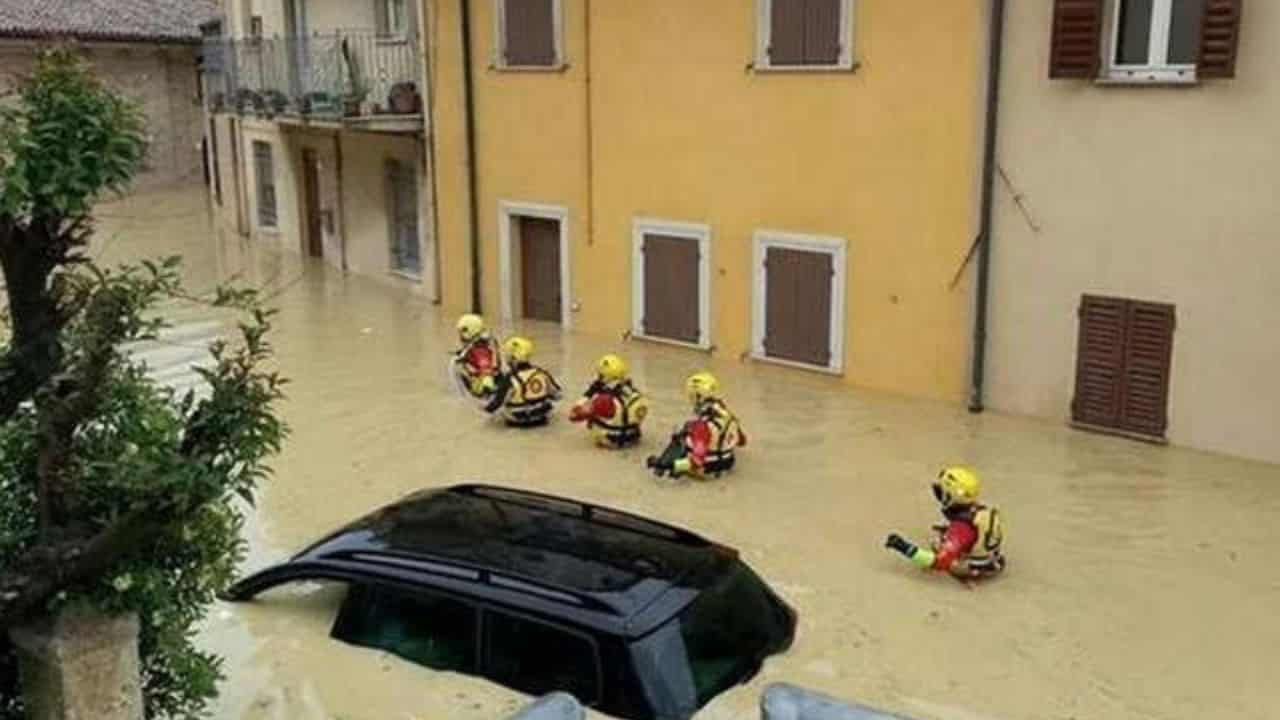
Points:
(161, 79)
(1166, 194)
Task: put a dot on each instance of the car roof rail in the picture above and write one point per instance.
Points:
(587, 511)
(453, 570)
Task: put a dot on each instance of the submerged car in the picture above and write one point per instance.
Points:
(635, 618)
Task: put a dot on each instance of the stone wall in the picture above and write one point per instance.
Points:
(163, 79)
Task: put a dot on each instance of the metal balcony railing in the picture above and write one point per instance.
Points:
(343, 74)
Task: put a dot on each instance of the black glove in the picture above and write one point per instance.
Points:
(900, 545)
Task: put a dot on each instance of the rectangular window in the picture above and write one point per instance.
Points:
(799, 300)
(255, 27)
(670, 282)
(1156, 39)
(402, 213)
(529, 34)
(1124, 357)
(537, 658)
(393, 18)
(432, 631)
(804, 34)
(265, 177)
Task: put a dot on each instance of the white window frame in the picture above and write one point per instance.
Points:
(499, 60)
(393, 33)
(508, 212)
(838, 249)
(764, 33)
(274, 227)
(693, 232)
(1157, 69)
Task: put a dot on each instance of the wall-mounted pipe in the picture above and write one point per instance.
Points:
(994, 62)
(472, 200)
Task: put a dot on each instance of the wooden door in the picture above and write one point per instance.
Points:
(798, 310)
(1123, 363)
(671, 288)
(311, 200)
(540, 268)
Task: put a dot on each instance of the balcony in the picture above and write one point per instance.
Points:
(345, 78)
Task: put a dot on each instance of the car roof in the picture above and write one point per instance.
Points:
(591, 565)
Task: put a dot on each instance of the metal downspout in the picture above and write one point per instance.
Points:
(996, 52)
(472, 199)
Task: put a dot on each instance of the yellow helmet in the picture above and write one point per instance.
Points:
(612, 368)
(470, 327)
(957, 486)
(518, 349)
(701, 386)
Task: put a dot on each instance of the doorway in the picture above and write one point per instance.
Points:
(533, 261)
(311, 200)
(540, 269)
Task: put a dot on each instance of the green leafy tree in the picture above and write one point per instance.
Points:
(115, 493)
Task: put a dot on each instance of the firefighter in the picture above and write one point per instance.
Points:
(612, 408)
(705, 445)
(525, 393)
(969, 545)
(476, 364)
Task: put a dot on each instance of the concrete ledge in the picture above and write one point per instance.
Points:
(788, 702)
(556, 706)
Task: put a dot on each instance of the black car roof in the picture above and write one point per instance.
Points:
(593, 565)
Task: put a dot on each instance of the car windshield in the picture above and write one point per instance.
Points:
(729, 629)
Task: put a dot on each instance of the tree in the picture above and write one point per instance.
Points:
(114, 493)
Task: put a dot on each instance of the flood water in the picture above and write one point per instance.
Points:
(1140, 583)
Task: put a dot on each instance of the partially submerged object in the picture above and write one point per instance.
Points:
(633, 617)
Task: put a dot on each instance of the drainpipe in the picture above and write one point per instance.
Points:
(996, 35)
(473, 201)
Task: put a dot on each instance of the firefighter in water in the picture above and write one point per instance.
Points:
(705, 445)
(476, 363)
(525, 393)
(612, 407)
(969, 545)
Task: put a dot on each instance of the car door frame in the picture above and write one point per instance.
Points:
(487, 609)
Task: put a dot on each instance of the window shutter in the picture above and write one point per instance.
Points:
(1099, 361)
(1219, 38)
(786, 32)
(530, 28)
(1148, 351)
(821, 32)
(1075, 49)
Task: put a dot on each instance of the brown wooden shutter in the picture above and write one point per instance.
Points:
(1219, 38)
(1148, 353)
(798, 305)
(671, 288)
(1099, 361)
(1075, 50)
(786, 32)
(821, 32)
(530, 29)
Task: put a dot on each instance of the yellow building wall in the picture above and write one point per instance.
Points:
(885, 157)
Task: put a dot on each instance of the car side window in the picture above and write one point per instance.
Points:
(538, 658)
(430, 630)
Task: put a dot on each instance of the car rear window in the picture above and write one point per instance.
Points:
(430, 630)
(538, 658)
(728, 630)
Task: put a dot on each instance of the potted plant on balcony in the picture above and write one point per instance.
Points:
(274, 102)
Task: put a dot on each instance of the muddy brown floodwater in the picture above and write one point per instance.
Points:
(1141, 581)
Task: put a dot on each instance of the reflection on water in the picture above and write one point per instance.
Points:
(1140, 582)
